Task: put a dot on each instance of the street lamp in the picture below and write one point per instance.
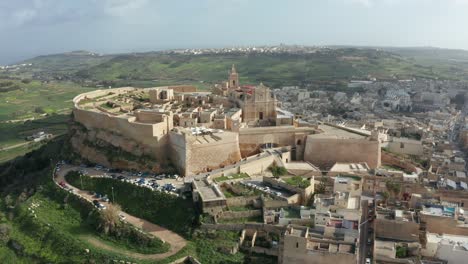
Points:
(112, 187)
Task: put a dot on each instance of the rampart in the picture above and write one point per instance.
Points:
(325, 151)
(195, 154)
(252, 137)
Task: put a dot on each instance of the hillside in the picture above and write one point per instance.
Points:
(57, 65)
(273, 69)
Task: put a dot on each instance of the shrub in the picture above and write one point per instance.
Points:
(298, 181)
(278, 171)
(401, 252)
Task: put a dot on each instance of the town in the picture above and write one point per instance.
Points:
(375, 176)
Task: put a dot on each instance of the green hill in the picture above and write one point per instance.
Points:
(273, 69)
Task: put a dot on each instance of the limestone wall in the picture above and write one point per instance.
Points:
(183, 88)
(193, 155)
(178, 151)
(242, 200)
(140, 132)
(240, 214)
(324, 151)
(394, 160)
(250, 138)
(214, 154)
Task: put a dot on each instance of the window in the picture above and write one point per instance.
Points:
(297, 244)
(402, 145)
(260, 114)
(299, 142)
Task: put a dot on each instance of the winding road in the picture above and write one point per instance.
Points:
(177, 242)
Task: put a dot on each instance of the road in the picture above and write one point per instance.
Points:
(177, 242)
(363, 232)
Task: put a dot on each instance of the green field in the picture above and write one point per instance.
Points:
(36, 99)
(273, 70)
(27, 107)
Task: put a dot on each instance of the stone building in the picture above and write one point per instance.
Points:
(260, 107)
(233, 82)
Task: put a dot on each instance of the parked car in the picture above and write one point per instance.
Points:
(122, 217)
(368, 261)
(105, 199)
(96, 203)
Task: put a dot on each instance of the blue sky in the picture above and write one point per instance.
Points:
(33, 27)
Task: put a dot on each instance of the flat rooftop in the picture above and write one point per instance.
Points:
(350, 167)
(208, 192)
(300, 166)
(333, 132)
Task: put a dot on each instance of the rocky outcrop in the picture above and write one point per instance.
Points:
(113, 150)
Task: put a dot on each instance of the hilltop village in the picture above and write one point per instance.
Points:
(386, 184)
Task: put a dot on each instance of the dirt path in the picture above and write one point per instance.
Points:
(177, 242)
(15, 146)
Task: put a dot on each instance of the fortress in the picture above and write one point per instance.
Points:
(194, 132)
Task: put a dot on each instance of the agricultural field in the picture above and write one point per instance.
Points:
(32, 99)
(30, 106)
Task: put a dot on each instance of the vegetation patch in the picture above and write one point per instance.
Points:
(174, 213)
(241, 175)
(278, 171)
(298, 181)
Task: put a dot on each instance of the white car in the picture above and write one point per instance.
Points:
(122, 217)
(368, 261)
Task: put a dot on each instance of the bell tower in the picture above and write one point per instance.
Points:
(233, 78)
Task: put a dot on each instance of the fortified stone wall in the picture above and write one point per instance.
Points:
(212, 155)
(316, 257)
(242, 200)
(393, 160)
(140, 132)
(324, 151)
(195, 154)
(251, 138)
(240, 214)
(183, 88)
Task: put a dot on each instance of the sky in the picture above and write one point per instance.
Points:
(37, 27)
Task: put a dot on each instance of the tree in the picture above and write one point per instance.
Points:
(393, 188)
(385, 196)
(4, 233)
(109, 218)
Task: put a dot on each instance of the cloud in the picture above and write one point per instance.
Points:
(23, 16)
(123, 7)
(366, 3)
